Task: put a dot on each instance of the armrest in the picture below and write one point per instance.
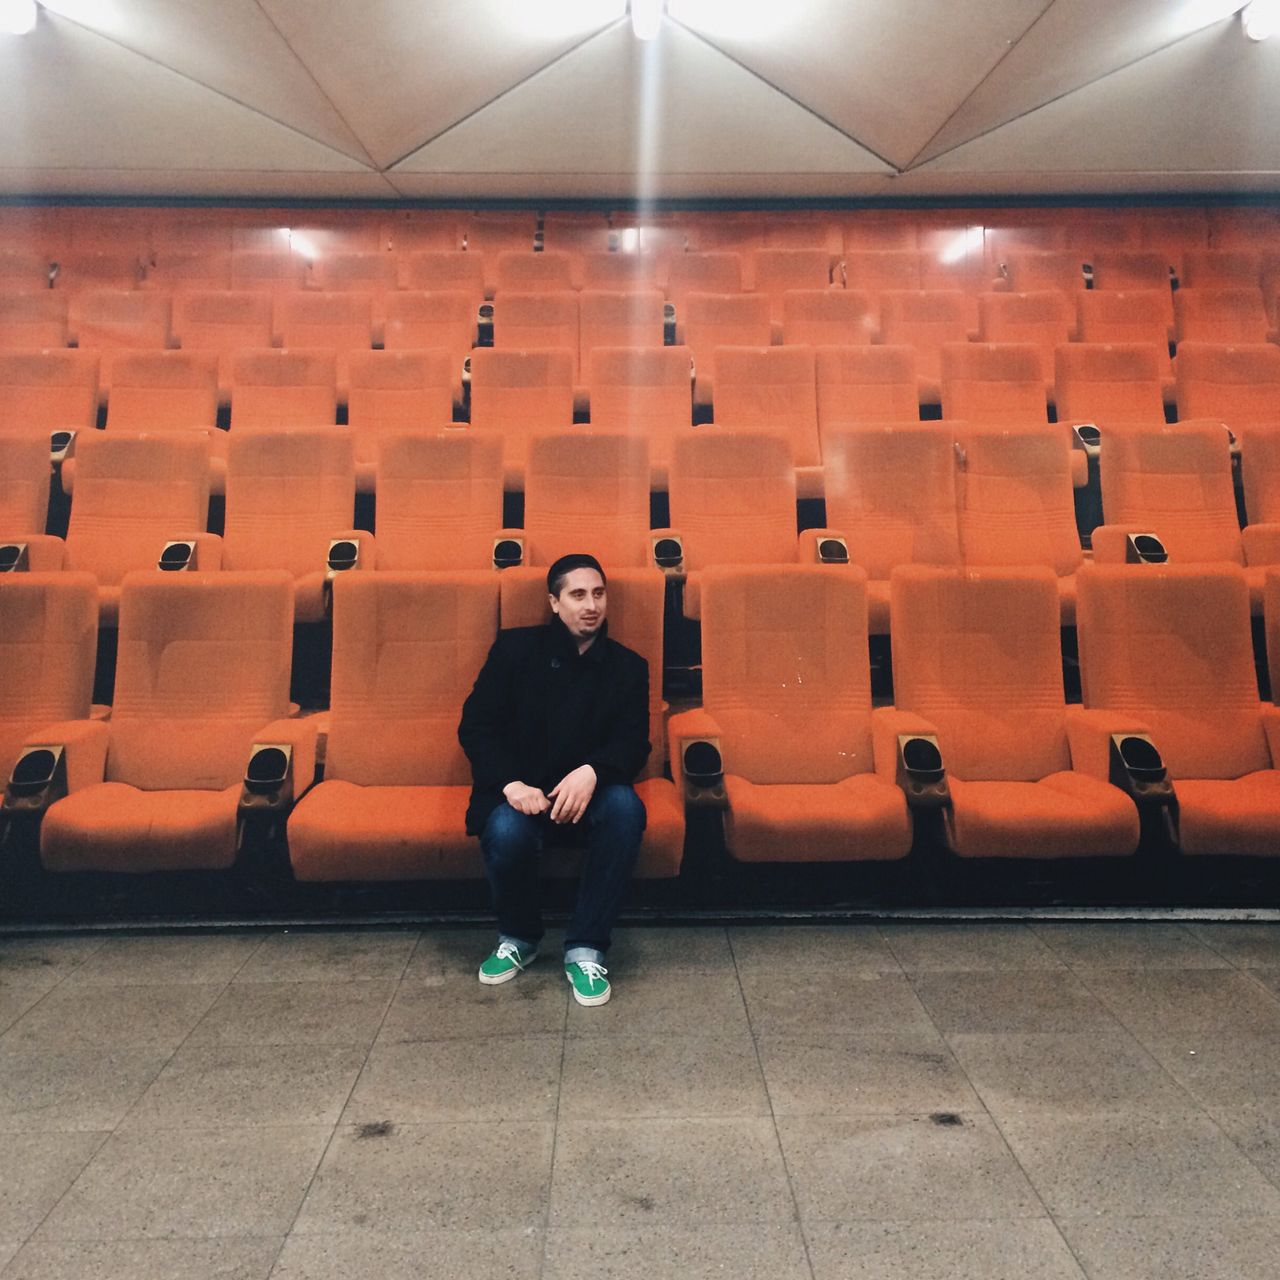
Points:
(1089, 738)
(667, 548)
(1111, 545)
(905, 748)
(1261, 543)
(281, 766)
(197, 552)
(824, 546)
(58, 759)
(351, 549)
(1087, 437)
(1115, 749)
(32, 553)
(696, 760)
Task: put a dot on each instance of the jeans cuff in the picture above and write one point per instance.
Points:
(576, 955)
(524, 945)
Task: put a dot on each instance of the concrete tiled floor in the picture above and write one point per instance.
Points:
(935, 1101)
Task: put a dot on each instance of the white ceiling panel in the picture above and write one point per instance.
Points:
(72, 100)
(402, 71)
(228, 45)
(1207, 104)
(199, 184)
(1074, 43)
(884, 72)
(670, 106)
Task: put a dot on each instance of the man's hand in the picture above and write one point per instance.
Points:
(572, 794)
(526, 799)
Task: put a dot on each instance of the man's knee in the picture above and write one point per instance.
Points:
(617, 805)
(509, 835)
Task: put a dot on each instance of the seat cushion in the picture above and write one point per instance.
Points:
(861, 818)
(1230, 815)
(112, 826)
(343, 831)
(1063, 815)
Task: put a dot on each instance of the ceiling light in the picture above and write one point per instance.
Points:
(17, 17)
(1195, 15)
(646, 17)
(1261, 19)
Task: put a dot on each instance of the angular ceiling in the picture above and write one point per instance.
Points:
(524, 98)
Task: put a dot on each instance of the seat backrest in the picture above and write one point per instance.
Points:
(45, 391)
(424, 230)
(524, 271)
(133, 494)
(711, 320)
(1109, 384)
(827, 318)
(359, 272)
(276, 388)
(1260, 471)
(977, 653)
(394, 391)
(1220, 315)
(1044, 319)
(733, 497)
(1126, 315)
(587, 490)
(266, 271)
(418, 321)
(48, 642)
(24, 484)
(1221, 268)
(537, 322)
(24, 270)
(703, 273)
(891, 490)
(873, 271)
(923, 319)
(182, 270)
(164, 391)
(1238, 385)
(770, 389)
(786, 673)
(121, 319)
(203, 665)
(36, 319)
(644, 389)
(858, 385)
(1174, 482)
(621, 272)
(222, 321)
(1016, 500)
(1131, 269)
(445, 271)
(406, 650)
(495, 233)
(633, 319)
(520, 392)
(993, 384)
(86, 269)
(774, 271)
(339, 322)
(439, 499)
(1171, 646)
(1033, 271)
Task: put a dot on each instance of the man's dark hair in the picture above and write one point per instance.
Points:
(566, 565)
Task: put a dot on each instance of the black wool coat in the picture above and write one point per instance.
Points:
(539, 710)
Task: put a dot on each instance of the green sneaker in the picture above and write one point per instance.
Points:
(504, 963)
(588, 982)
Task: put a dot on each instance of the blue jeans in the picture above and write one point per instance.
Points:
(512, 842)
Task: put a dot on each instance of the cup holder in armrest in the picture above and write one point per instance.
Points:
(1138, 768)
(833, 551)
(668, 554)
(1144, 548)
(508, 553)
(60, 443)
(14, 557)
(1088, 436)
(177, 556)
(703, 770)
(344, 554)
(921, 772)
(268, 777)
(38, 778)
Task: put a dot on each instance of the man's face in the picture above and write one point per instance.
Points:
(581, 603)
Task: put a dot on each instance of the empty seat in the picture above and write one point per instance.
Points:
(79, 270)
(858, 385)
(289, 495)
(269, 272)
(827, 318)
(202, 678)
(184, 271)
(48, 638)
(517, 393)
(24, 504)
(109, 322)
(1236, 385)
(395, 391)
(874, 271)
(420, 321)
(1031, 271)
(1110, 384)
(524, 271)
(445, 272)
(1169, 648)
(1130, 270)
(576, 234)
(1220, 269)
(272, 389)
(44, 391)
(925, 320)
(646, 390)
(773, 389)
(1044, 320)
(613, 319)
(393, 803)
(1125, 317)
(337, 322)
(36, 319)
(537, 322)
(371, 272)
(977, 664)
(439, 500)
(620, 272)
(891, 494)
(711, 320)
(775, 271)
(24, 270)
(1223, 316)
(702, 273)
(993, 385)
(222, 323)
(787, 703)
(164, 391)
(1016, 504)
(494, 233)
(424, 230)
(134, 494)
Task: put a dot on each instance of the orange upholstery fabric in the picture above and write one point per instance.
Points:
(445, 271)
(121, 320)
(863, 385)
(775, 271)
(827, 318)
(1132, 270)
(1260, 471)
(419, 321)
(24, 484)
(222, 323)
(537, 322)
(181, 271)
(1219, 269)
(274, 389)
(710, 320)
(622, 272)
(30, 320)
(1110, 385)
(993, 385)
(164, 391)
(702, 273)
(1127, 316)
(925, 321)
(339, 322)
(873, 271)
(1223, 316)
(523, 271)
(618, 320)
(1044, 319)
(1033, 271)
(517, 393)
(1238, 385)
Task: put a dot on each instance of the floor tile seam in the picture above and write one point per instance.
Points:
(346, 1102)
(106, 1135)
(555, 1141)
(797, 1217)
(4, 1030)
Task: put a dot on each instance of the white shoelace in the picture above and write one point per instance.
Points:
(509, 951)
(595, 972)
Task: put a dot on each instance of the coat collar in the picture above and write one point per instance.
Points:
(567, 645)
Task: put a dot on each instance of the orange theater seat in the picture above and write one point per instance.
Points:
(222, 323)
(860, 385)
(134, 494)
(422, 321)
(48, 639)
(1221, 269)
(702, 273)
(392, 806)
(445, 272)
(24, 270)
(993, 385)
(274, 389)
(422, 230)
(537, 322)
(775, 271)
(891, 493)
(1236, 385)
(1016, 504)
(786, 686)
(874, 272)
(182, 271)
(33, 320)
(773, 389)
(977, 663)
(1128, 317)
(632, 319)
(1260, 473)
(202, 677)
(711, 320)
(1029, 271)
(374, 273)
(109, 322)
(164, 391)
(395, 391)
(926, 321)
(827, 318)
(620, 272)
(44, 391)
(273, 273)
(1171, 647)
(523, 271)
(337, 322)
(866, 231)
(24, 503)
(1128, 271)
(1044, 319)
(439, 500)
(1223, 316)
(289, 495)
(517, 393)
(646, 390)
(1110, 385)
(80, 270)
